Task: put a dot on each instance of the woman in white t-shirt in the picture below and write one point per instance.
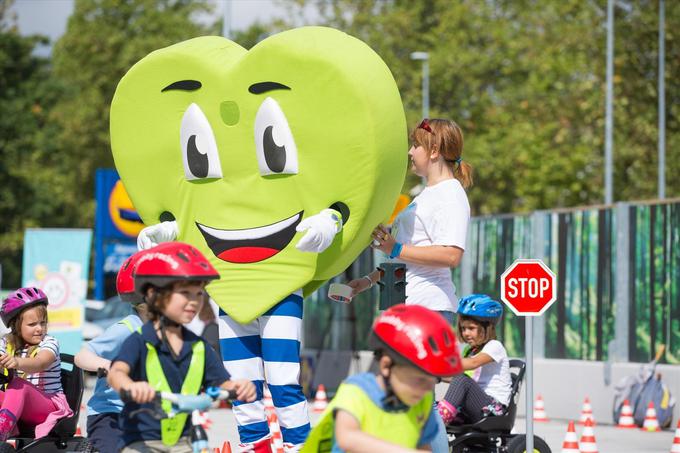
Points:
(429, 235)
(485, 387)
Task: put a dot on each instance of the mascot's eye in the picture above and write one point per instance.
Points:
(199, 148)
(274, 144)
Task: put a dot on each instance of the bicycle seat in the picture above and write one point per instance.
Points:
(72, 381)
(498, 423)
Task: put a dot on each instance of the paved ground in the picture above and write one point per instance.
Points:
(609, 439)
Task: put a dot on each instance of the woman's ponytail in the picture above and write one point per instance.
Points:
(463, 173)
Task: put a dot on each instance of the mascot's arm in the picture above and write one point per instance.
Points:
(320, 230)
(153, 235)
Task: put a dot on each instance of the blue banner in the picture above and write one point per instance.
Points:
(57, 261)
(117, 225)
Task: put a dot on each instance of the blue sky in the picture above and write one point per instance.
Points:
(49, 17)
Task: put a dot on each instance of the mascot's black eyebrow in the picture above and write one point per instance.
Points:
(184, 85)
(263, 87)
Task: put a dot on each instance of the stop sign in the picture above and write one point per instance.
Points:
(528, 287)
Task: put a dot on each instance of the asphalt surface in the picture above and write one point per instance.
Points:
(609, 439)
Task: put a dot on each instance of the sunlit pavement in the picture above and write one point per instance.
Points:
(609, 438)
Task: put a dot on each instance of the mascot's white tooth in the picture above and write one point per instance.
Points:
(250, 233)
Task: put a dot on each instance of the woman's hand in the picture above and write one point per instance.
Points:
(245, 389)
(142, 392)
(383, 240)
(358, 285)
(8, 361)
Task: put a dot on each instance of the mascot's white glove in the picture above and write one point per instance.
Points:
(321, 230)
(153, 235)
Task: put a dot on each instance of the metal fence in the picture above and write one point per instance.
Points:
(618, 272)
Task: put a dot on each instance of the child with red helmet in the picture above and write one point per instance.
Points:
(33, 394)
(104, 407)
(172, 278)
(393, 410)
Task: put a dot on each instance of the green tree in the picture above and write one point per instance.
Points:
(525, 80)
(29, 167)
(55, 124)
(636, 97)
(103, 40)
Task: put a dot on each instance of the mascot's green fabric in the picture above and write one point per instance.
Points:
(239, 146)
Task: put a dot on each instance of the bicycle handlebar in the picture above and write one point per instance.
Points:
(180, 403)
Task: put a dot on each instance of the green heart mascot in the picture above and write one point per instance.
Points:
(276, 163)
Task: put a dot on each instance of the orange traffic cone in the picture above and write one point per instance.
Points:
(675, 448)
(539, 410)
(570, 444)
(626, 417)
(588, 444)
(79, 432)
(275, 429)
(586, 413)
(226, 447)
(320, 399)
(651, 424)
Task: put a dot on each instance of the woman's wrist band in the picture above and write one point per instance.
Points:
(396, 250)
(370, 282)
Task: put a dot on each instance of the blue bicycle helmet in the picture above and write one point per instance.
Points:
(480, 307)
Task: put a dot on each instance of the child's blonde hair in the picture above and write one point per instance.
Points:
(447, 136)
(14, 335)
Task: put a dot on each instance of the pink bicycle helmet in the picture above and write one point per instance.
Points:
(20, 299)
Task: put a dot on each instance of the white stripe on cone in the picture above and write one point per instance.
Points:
(651, 424)
(570, 444)
(586, 413)
(675, 448)
(320, 399)
(275, 429)
(626, 418)
(588, 444)
(539, 410)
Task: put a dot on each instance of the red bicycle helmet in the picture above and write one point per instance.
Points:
(421, 337)
(169, 262)
(125, 283)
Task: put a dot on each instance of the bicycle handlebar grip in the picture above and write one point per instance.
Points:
(126, 395)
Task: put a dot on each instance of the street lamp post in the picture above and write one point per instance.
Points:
(662, 101)
(226, 19)
(609, 114)
(425, 58)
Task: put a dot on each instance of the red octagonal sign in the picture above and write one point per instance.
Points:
(528, 287)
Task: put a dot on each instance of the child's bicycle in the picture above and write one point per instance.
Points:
(63, 436)
(188, 404)
(494, 434)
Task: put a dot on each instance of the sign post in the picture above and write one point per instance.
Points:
(529, 288)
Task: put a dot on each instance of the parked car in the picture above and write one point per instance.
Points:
(100, 314)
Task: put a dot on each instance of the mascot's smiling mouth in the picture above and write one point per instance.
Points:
(252, 244)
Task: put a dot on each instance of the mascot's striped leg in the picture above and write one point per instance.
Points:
(241, 347)
(269, 346)
(281, 329)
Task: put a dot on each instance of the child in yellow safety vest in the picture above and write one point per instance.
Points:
(393, 410)
(104, 406)
(164, 355)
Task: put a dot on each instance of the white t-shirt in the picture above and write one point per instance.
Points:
(494, 377)
(439, 215)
